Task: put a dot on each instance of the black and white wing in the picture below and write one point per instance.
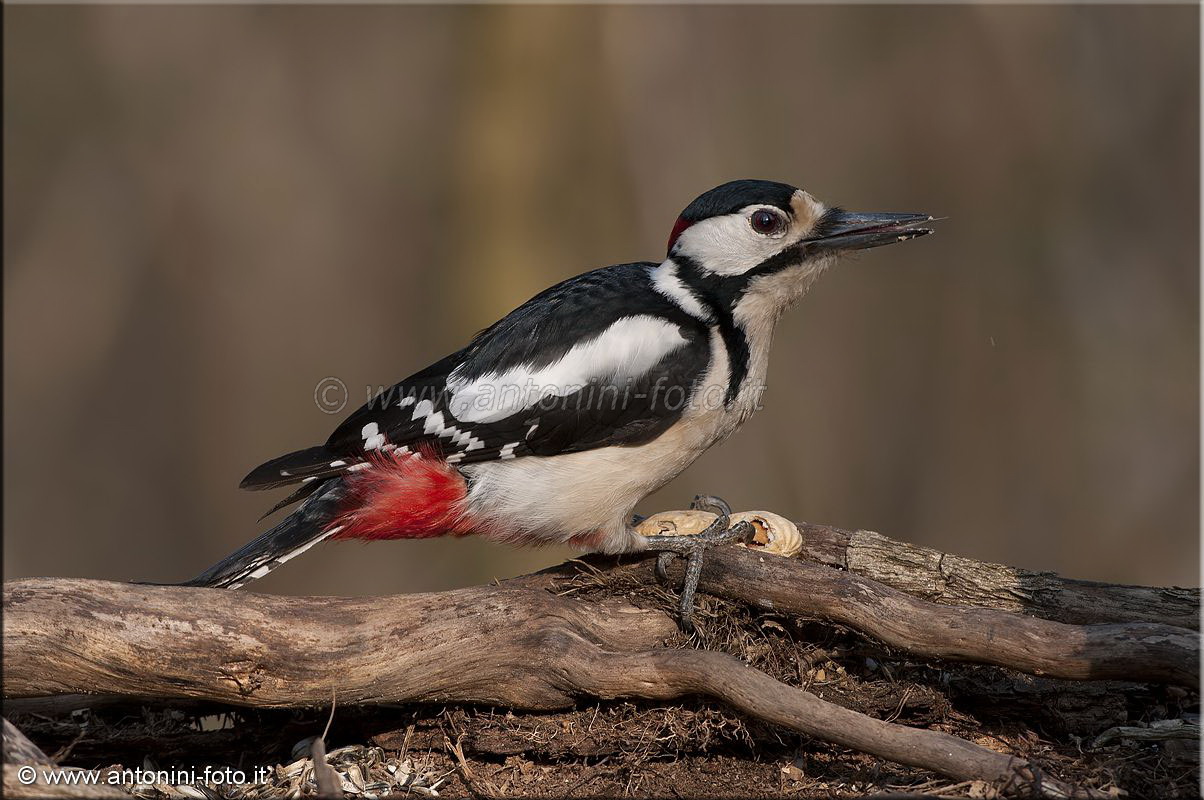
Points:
(595, 361)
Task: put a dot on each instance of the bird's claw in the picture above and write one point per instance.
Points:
(692, 548)
(663, 559)
(716, 505)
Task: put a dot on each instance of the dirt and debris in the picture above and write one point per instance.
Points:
(1126, 739)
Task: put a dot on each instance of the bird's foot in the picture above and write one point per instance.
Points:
(692, 549)
(708, 502)
(701, 502)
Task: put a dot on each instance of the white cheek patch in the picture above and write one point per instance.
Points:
(626, 350)
(728, 245)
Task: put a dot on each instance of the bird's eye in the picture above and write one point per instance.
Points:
(766, 222)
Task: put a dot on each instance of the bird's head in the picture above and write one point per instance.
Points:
(772, 239)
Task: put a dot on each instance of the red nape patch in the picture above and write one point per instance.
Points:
(407, 496)
(679, 228)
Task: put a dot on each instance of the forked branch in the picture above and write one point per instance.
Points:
(522, 646)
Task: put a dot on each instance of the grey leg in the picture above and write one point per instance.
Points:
(693, 547)
(701, 502)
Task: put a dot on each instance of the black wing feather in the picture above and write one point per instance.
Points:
(291, 468)
(536, 334)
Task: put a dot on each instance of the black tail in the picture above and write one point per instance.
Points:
(296, 533)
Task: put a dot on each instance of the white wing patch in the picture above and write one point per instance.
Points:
(373, 438)
(434, 424)
(423, 409)
(626, 350)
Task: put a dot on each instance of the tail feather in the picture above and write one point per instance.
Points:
(312, 463)
(296, 533)
(302, 492)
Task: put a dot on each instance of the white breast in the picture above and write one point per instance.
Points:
(576, 495)
(591, 495)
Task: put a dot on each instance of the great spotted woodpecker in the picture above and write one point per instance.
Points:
(554, 422)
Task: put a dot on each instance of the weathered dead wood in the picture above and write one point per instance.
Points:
(518, 645)
(1121, 651)
(956, 580)
(515, 647)
(26, 768)
(19, 750)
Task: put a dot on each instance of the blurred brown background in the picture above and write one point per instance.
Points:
(208, 210)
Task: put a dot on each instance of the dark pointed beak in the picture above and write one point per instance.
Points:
(858, 230)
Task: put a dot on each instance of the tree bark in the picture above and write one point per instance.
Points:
(518, 648)
(956, 580)
(26, 767)
(1135, 651)
(528, 643)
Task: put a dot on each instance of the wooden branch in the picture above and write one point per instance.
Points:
(1135, 651)
(26, 767)
(1123, 651)
(956, 580)
(524, 644)
(19, 750)
(515, 647)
